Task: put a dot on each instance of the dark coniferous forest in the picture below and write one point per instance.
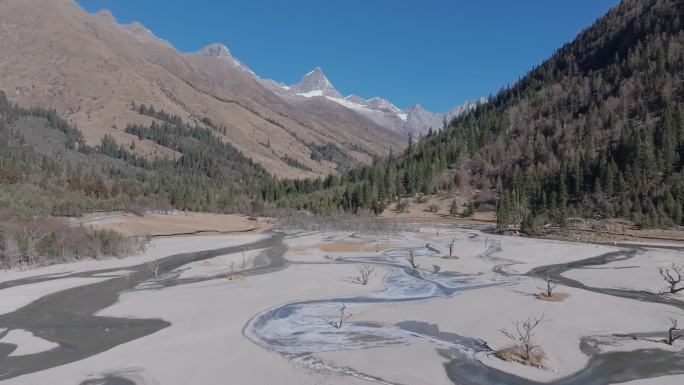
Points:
(595, 131)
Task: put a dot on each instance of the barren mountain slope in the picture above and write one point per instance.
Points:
(54, 54)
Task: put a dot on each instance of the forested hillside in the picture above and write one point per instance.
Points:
(46, 167)
(595, 131)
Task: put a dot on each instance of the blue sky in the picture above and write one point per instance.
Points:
(438, 53)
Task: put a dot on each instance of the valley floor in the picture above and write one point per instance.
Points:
(263, 308)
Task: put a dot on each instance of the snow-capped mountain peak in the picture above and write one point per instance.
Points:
(383, 105)
(415, 119)
(355, 99)
(315, 83)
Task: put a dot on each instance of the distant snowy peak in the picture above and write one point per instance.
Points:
(375, 105)
(221, 52)
(381, 104)
(315, 84)
(355, 99)
(414, 120)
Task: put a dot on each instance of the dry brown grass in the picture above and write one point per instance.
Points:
(168, 224)
(422, 211)
(332, 247)
(555, 297)
(235, 277)
(614, 230)
(516, 353)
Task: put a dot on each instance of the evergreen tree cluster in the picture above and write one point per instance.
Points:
(69, 177)
(595, 131)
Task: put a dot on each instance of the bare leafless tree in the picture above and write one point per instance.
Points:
(365, 274)
(673, 276)
(673, 333)
(30, 240)
(451, 248)
(549, 286)
(231, 270)
(523, 334)
(244, 262)
(339, 323)
(411, 260)
(154, 267)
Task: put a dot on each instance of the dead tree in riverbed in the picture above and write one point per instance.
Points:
(451, 248)
(674, 333)
(154, 267)
(522, 336)
(337, 324)
(411, 260)
(673, 276)
(549, 286)
(365, 274)
(231, 270)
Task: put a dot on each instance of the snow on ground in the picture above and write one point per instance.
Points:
(219, 265)
(26, 342)
(641, 270)
(208, 318)
(528, 253)
(482, 313)
(311, 94)
(395, 364)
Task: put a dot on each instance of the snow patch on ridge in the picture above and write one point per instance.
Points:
(311, 94)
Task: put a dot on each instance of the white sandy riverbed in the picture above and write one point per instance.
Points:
(205, 342)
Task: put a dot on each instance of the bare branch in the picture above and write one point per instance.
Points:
(673, 333)
(231, 270)
(411, 260)
(366, 272)
(339, 323)
(673, 277)
(523, 334)
(550, 286)
(154, 267)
